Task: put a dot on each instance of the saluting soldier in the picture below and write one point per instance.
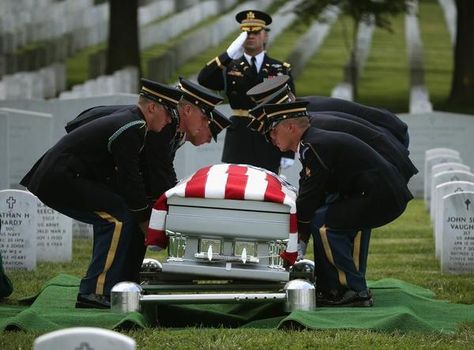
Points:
(346, 189)
(242, 66)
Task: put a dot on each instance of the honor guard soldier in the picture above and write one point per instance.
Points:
(242, 66)
(93, 175)
(197, 122)
(380, 139)
(376, 116)
(345, 190)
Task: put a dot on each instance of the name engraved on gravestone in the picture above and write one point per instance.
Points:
(429, 163)
(54, 235)
(457, 239)
(18, 231)
(82, 230)
(441, 191)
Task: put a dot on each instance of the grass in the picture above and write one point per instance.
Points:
(403, 249)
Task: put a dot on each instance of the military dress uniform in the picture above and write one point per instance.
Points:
(346, 189)
(76, 177)
(377, 116)
(236, 77)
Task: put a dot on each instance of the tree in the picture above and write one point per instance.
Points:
(462, 85)
(123, 45)
(376, 12)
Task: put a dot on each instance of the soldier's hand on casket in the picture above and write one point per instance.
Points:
(286, 162)
(236, 49)
(301, 249)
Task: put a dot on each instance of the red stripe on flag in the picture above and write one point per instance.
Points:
(196, 186)
(273, 192)
(236, 182)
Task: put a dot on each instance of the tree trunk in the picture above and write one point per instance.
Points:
(123, 46)
(462, 87)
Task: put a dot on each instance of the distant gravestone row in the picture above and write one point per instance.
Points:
(419, 96)
(449, 197)
(32, 232)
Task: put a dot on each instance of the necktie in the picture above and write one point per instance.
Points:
(254, 64)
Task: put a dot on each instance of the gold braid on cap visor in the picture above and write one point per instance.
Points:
(196, 96)
(151, 92)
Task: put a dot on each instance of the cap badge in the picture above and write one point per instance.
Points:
(250, 15)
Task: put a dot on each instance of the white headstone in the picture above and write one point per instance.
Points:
(18, 232)
(54, 237)
(84, 338)
(439, 168)
(448, 176)
(457, 238)
(441, 151)
(429, 163)
(442, 191)
(26, 136)
(82, 230)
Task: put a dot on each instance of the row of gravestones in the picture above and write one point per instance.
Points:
(122, 81)
(419, 95)
(61, 29)
(46, 82)
(31, 232)
(163, 66)
(449, 198)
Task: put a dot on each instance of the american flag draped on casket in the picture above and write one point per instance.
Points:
(228, 181)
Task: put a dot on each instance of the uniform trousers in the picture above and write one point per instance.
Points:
(118, 243)
(340, 255)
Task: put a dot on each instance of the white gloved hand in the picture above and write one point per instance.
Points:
(286, 162)
(301, 249)
(236, 49)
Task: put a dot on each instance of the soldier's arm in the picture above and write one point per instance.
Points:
(125, 149)
(213, 73)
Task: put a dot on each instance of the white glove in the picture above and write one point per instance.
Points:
(301, 249)
(286, 162)
(236, 49)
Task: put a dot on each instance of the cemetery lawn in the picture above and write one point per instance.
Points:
(403, 249)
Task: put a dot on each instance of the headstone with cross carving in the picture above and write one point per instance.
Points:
(440, 192)
(457, 238)
(84, 338)
(439, 168)
(447, 176)
(18, 231)
(54, 235)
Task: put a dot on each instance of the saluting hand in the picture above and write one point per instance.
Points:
(236, 49)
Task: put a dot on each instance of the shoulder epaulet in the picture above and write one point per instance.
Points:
(286, 65)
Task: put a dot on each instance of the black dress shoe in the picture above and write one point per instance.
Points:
(347, 298)
(92, 301)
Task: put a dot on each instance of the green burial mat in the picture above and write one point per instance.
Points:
(399, 306)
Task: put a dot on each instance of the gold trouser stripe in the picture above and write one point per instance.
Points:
(99, 289)
(240, 112)
(356, 252)
(327, 249)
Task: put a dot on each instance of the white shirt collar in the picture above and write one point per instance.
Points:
(259, 59)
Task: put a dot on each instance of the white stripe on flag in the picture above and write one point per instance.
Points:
(256, 185)
(216, 181)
